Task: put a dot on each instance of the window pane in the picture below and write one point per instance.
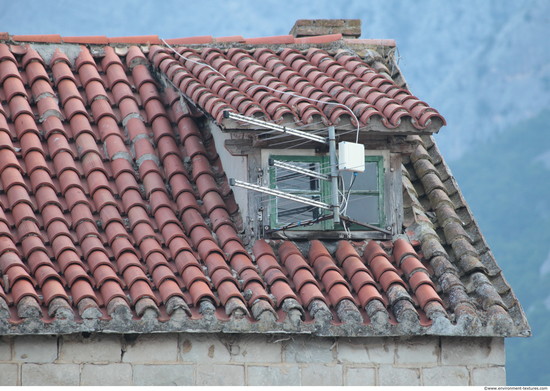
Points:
(367, 180)
(292, 181)
(293, 212)
(363, 208)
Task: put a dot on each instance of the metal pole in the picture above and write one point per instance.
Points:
(334, 173)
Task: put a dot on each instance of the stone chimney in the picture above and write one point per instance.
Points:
(349, 28)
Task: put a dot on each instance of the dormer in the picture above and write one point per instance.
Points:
(309, 86)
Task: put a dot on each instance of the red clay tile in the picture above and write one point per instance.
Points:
(410, 264)
(90, 244)
(332, 277)
(199, 290)
(276, 40)
(420, 278)
(5, 53)
(36, 260)
(70, 258)
(373, 250)
(11, 176)
(228, 290)
(267, 262)
(295, 262)
(8, 70)
(232, 38)
(111, 289)
(258, 292)
(91, 39)
(379, 265)
(339, 292)
(13, 86)
(141, 39)
(22, 289)
(323, 264)
(273, 275)
(185, 259)
(57, 228)
(82, 289)
(169, 289)
(214, 261)
(153, 260)
(143, 231)
(15, 274)
(141, 289)
(127, 260)
(220, 276)
(149, 246)
(233, 248)
(241, 262)
(161, 274)
(319, 39)
(51, 38)
(52, 289)
(302, 277)
(199, 40)
(31, 244)
(10, 259)
(353, 265)
(425, 294)
(367, 293)
(281, 290)
(100, 100)
(310, 292)
(132, 199)
(85, 228)
(400, 249)
(389, 278)
(170, 232)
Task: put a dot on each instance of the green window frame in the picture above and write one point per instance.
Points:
(368, 189)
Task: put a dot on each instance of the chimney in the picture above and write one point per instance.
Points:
(349, 28)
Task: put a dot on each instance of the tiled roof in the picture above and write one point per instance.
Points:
(116, 214)
(294, 85)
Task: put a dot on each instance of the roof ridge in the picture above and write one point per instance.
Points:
(192, 40)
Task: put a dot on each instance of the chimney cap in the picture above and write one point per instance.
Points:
(349, 28)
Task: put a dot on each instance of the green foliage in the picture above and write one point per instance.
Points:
(507, 185)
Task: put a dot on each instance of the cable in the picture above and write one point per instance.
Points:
(193, 61)
(314, 100)
(349, 191)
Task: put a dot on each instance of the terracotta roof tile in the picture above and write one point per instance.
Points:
(113, 197)
(204, 39)
(280, 39)
(51, 38)
(144, 39)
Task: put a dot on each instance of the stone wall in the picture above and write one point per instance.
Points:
(200, 359)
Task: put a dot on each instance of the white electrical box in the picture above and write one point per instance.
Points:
(351, 156)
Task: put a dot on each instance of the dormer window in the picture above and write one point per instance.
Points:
(361, 194)
(323, 190)
(292, 195)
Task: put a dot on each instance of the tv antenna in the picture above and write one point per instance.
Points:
(347, 151)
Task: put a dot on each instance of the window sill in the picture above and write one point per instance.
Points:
(334, 235)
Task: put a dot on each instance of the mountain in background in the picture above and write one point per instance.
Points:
(506, 182)
(484, 65)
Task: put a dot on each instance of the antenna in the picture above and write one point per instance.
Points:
(333, 177)
(299, 170)
(278, 128)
